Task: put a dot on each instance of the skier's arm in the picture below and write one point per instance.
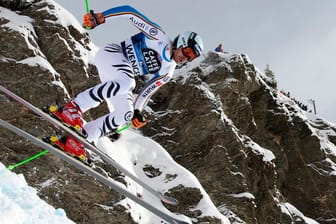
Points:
(140, 21)
(151, 87)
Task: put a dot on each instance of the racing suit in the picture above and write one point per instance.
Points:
(145, 53)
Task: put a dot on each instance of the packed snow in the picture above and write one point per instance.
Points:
(296, 215)
(134, 152)
(20, 204)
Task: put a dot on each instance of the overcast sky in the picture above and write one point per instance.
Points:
(297, 38)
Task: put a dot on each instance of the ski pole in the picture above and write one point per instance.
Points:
(87, 6)
(123, 128)
(11, 167)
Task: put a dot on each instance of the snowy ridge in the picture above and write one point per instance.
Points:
(319, 127)
(289, 106)
(66, 19)
(293, 212)
(24, 25)
(268, 156)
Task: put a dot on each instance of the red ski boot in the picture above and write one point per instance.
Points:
(70, 145)
(70, 114)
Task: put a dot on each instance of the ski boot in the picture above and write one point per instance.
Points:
(70, 114)
(70, 145)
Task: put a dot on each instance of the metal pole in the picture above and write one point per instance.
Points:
(313, 102)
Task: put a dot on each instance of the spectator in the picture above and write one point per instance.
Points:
(219, 48)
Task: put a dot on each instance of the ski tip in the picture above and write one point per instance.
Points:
(169, 200)
(181, 222)
(176, 221)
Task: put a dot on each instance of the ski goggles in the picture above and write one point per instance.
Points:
(189, 53)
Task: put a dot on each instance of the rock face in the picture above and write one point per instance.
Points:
(258, 156)
(214, 122)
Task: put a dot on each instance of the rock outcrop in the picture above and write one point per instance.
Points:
(252, 148)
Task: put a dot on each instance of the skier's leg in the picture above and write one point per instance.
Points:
(94, 96)
(116, 75)
(116, 88)
(104, 125)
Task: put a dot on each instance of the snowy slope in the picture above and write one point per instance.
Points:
(20, 204)
(134, 152)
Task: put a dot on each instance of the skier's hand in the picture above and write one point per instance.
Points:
(91, 20)
(138, 120)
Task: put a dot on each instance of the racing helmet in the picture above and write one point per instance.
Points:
(189, 41)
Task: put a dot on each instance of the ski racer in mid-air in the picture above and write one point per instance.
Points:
(149, 52)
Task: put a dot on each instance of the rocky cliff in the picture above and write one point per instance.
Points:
(259, 157)
(252, 148)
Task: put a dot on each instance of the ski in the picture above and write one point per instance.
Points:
(165, 199)
(168, 217)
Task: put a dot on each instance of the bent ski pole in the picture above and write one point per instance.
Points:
(11, 167)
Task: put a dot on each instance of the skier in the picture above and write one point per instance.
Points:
(149, 52)
(219, 48)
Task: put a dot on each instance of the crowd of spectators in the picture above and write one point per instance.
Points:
(299, 103)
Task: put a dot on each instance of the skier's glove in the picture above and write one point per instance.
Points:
(91, 20)
(138, 120)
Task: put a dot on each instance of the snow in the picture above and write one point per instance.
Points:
(48, 183)
(23, 25)
(39, 61)
(66, 19)
(243, 195)
(20, 204)
(319, 127)
(295, 214)
(18, 23)
(134, 152)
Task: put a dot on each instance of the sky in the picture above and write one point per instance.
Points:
(295, 38)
